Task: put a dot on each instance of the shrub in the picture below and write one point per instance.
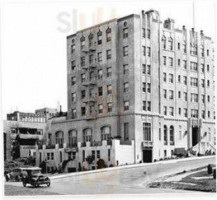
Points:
(101, 164)
(214, 174)
(111, 165)
(209, 169)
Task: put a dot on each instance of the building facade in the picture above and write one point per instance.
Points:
(141, 81)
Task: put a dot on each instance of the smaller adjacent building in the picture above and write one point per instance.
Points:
(23, 130)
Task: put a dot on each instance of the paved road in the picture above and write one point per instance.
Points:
(124, 181)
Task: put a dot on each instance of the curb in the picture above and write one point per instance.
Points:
(127, 167)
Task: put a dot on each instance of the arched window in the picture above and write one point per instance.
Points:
(72, 138)
(90, 37)
(164, 42)
(171, 135)
(87, 135)
(99, 37)
(59, 138)
(170, 42)
(106, 133)
(108, 34)
(165, 135)
(82, 42)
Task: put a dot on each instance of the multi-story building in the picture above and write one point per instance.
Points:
(140, 80)
(23, 130)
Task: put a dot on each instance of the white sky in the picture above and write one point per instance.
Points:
(33, 42)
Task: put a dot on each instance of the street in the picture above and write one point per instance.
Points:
(121, 181)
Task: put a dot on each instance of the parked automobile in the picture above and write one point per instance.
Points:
(35, 178)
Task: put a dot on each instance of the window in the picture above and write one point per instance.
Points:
(125, 51)
(92, 109)
(184, 64)
(147, 131)
(203, 98)
(184, 47)
(185, 112)
(179, 78)
(179, 94)
(203, 114)
(99, 37)
(148, 85)
(179, 62)
(99, 57)
(91, 75)
(109, 154)
(109, 71)
(194, 97)
(171, 135)
(165, 110)
(108, 54)
(170, 43)
(90, 58)
(126, 69)
(171, 111)
(83, 78)
(72, 136)
(100, 91)
(59, 137)
(180, 111)
(82, 42)
(73, 97)
(203, 83)
(202, 68)
(193, 49)
(52, 156)
(144, 105)
(83, 94)
(146, 69)
(202, 52)
(148, 33)
(82, 61)
(194, 113)
(185, 96)
(147, 105)
(83, 155)
(149, 51)
(72, 48)
(208, 98)
(170, 61)
(170, 78)
(73, 80)
(178, 45)
(100, 74)
(207, 52)
(83, 111)
(159, 131)
(73, 65)
(165, 94)
(193, 66)
(126, 131)
(90, 37)
(164, 42)
(87, 135)
(109, 105)
(144, 50)
(98, 154)
(165, 135)
(106, 133)
(91, 92)
(109, 89)
(208, 114)
(143, 33)
(194, 82)
(164, 60)
(207, 68)
(100, 108)
(108, 35)
(165, 77)
(171, 94)
(126, 105)
(185, 80)
(207, 83)
(48, 156)
(126, 87)
(74, 113)
(125, 33)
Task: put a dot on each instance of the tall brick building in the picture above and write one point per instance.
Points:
(139, 79)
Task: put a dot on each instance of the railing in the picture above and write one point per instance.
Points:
(50, 146)
(96, 143)
(60, 146)
(71, 145)
(83, 144)
(128, 142)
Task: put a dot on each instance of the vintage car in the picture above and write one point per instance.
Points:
(15, 174)
(34, 177)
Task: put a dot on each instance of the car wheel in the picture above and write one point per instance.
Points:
(24, 184)
(48, 184)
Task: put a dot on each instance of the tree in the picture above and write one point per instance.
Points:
(90, 159)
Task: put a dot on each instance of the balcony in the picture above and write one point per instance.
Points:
(60, 146)
(93, 82)
(50, 146)
(147, 144)
(92, 48)
(85, 50)
(83, 144)
(72, 145)
(109, 142)
(96, 143)
(85, 83)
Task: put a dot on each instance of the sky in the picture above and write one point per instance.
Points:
(33, 42)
